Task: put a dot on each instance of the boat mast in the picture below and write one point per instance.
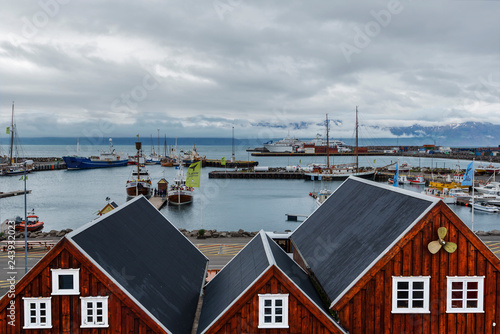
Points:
(165, 146)
(357, 159)
(11, 152)
(327, 144)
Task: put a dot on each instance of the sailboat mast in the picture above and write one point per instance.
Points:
(357, 158)
(165, 146)
(327, 144)
(11, 152)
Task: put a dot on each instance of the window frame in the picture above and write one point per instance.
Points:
(284, 306)
(465, 279)
(27, 316)
(411, 280)
(55, 281)
(84, 309)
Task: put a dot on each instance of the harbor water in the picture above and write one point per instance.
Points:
(68, 199)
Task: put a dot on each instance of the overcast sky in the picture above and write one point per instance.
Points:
(198, 68)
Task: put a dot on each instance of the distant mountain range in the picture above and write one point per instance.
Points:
(460, 134)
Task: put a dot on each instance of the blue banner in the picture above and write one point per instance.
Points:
(396, 176)
(468, 175)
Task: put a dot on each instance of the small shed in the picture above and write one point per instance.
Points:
(162, 186)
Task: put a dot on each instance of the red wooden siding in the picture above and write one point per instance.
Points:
(124, 315)
(366, 308)
(303, 317)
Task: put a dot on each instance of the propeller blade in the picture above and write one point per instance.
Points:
(442, 232)
(434, 246)
(450, 247)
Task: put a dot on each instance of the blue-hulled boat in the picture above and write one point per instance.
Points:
(106, 159)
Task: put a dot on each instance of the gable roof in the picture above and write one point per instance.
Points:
(149, 259)
(243, 271)
(354, 228)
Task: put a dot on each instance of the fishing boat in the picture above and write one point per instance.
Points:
(490, 188)
(105, 159)
(418, 179)
(489, 169)
(34, 223)
(179, 193)
(403, 179)
(449, 182)
(439, 193)
(13, 166)
(340, 171)
(139, 182)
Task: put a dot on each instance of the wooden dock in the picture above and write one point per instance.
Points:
(13, 193)
(158, 202)
(229, 164)
(255, 175)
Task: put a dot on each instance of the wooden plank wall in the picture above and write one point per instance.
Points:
(66, 310)
(369, 310)
(244, 315)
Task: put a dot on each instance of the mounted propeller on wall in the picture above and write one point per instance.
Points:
(435, 246)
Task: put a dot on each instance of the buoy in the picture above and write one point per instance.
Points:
(310, 194)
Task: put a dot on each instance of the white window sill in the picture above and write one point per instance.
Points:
(273, 326)
(464, 311)
(37, 327)
(410, 311)
(66, 293)
(94, 326)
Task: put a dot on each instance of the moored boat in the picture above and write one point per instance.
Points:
(179, 193)
(139, 182)
(485, 207)
(105, 159)
(34, 223)
(435, 192)
(419, 179)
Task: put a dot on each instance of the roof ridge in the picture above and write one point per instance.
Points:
(267, 248)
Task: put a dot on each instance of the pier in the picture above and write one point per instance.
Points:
(158, 202)
(229, 164)
(256, 175)
(13, 193)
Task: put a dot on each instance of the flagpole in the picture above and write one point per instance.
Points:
(25, 225)
(473, 194)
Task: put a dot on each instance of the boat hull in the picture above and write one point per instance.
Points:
(134, 189)
(86, 163)
(179, 197)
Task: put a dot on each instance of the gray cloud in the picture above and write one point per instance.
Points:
(203, 66)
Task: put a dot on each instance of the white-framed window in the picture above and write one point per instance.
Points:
(65, 281)
(37, 313)
(94, 311)
(465, 294)
(273, 310)
(410, 294)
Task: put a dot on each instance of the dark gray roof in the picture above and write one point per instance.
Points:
(242, 272)
(237, 276)
(155, 264)
(353, 228)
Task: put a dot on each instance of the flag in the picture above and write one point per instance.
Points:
(300, 161)
(223, 161)
(8, 130)
(396, 176)
(374, 160)
(193, 175)
(467, 181)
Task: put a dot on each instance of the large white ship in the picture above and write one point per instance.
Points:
(287, 144)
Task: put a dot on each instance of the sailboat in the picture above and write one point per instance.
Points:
(139, 183)
(13, 166)
(340, 171)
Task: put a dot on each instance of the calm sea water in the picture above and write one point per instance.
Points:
(69, 199)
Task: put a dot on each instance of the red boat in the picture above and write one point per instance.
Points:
(34, 224)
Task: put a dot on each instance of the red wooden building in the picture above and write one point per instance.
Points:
(108, 278)
(262, 290)
(367, 247)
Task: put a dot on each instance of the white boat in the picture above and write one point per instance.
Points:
(287, 144)
(435, 192)
(403, 179)
(322, 196)
(179, 193)
(490, 188)
(485, 207)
